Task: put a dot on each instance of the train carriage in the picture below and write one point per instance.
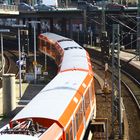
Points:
(63, 109)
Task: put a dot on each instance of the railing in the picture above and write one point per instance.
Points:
(8, 8)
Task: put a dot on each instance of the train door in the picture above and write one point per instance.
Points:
(90, 95)
(87, 104)
(74, 127)
(92, 91)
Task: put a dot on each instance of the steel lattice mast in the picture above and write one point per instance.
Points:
(116, 84)
(138, 31)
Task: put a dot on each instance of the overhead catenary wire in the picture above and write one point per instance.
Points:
(130, 18)
(131, 29)
(131, 42)
(123, 24)
(115, 19)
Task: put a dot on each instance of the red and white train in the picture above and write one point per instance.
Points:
(63, 109)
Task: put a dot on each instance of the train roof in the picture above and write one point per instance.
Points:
(48, 103)
(75, 60)
(69, 44)
(54, 37)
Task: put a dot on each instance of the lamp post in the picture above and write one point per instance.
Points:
(35, 62)
(1, 32)
(19, 49)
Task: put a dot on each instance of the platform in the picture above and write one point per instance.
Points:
(28, 92)
(125, 55)
(130, 58)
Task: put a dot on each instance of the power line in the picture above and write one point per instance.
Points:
(115, 19)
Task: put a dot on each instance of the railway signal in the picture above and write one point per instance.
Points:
(25, 41)
(105, 58)
(105, 47)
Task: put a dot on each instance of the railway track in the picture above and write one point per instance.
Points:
(133, 86)
(131, 99)
(103, 102)
(10, 66)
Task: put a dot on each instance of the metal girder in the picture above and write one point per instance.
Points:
(116, 84)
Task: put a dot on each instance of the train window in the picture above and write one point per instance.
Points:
(79, 117)
(87, 99)
(90, 92)
(71, 138)
(54, 51)
(47, 45)
(43, 43)
(53, 48)
(93, 90)
(58, 57)
(77, 123)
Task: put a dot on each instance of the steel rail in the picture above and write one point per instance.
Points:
(136, 83)
(130, 88)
